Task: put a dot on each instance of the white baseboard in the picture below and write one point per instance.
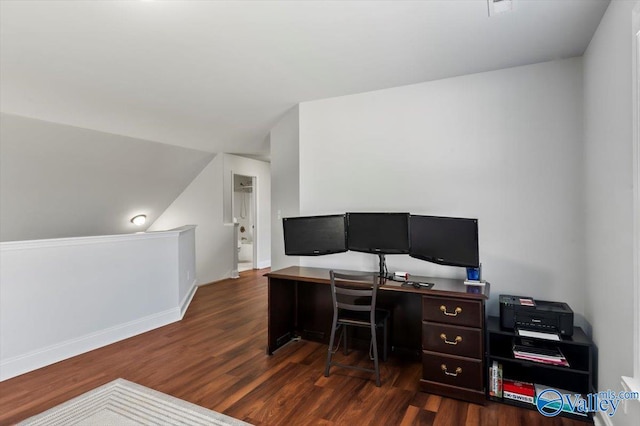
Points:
(264, 264)
(33, 360)
(601, 419)
(186, 300)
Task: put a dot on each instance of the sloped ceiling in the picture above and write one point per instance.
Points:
(62, 181)
(217, 75)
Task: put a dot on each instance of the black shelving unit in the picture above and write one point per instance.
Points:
(578, 377)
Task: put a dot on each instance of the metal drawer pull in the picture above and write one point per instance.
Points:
(455, 312)
(444, 369)
(457, 340)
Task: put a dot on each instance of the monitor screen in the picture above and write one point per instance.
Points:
(384, 233)
(445, 240)
(314, 235)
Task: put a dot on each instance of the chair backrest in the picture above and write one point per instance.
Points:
(354, 291)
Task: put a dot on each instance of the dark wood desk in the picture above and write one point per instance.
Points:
(425, 324)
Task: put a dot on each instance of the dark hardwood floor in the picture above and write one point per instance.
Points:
(215, 357)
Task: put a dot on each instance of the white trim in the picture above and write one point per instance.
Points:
(633, 383)
(186, 300)
(100, 239)
(21, 364)
(264, 264)
(254, 221)
(600, 419)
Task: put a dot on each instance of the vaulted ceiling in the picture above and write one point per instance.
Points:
(217, 75)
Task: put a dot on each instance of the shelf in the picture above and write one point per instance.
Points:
(587, 418)
(536, 364)
(578, 377)
(579, 337)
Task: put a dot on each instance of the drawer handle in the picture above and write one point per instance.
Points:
(455, 312)
(457, 340)
(443, 367)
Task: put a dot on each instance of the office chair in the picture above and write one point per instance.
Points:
(354, 304)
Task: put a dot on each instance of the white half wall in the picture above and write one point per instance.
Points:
(503, 146)
(63, 297)
(608, 129)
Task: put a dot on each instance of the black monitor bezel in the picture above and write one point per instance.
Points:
(315, 252)
(378, 250)
(439, 260)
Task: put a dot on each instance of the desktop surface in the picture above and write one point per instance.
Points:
(444, 286)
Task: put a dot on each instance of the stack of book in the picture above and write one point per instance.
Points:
(495, 374)
(519, 391)
(551, 356)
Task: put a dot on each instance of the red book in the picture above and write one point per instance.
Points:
(521, 388)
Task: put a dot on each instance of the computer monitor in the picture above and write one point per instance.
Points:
(314, 235)
(444, 240)
(380, 233)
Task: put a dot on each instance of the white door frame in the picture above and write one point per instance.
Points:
(254, 220)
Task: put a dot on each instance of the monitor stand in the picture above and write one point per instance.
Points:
(383, 265)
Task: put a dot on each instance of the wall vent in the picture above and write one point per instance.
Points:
(497, 7)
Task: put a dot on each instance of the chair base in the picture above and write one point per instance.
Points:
(343, 336)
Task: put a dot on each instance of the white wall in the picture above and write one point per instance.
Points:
(609, 198)
(502, 146)
(63, 297)
(201, 203)
(285, 178)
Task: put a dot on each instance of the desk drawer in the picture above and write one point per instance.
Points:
(452, 311)
(454, 340)
(452, 370)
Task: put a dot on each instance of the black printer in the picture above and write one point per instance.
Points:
(524, 313)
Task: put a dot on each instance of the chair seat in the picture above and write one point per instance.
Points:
(362, 319)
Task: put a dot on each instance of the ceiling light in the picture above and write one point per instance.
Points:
(139, 220)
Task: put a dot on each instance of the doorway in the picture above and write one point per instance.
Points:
(244, 213)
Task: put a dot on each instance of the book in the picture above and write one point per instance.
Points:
(493, 379)
(495, 375)
(499, 390)
(516, 386)
(519, 391)
(518, 397)
(548, 355)
(558, 362)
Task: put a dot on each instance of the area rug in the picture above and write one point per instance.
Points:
(124, 403)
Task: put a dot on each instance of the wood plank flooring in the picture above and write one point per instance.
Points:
(215, 357)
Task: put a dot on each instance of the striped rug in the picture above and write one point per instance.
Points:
(125, 403)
